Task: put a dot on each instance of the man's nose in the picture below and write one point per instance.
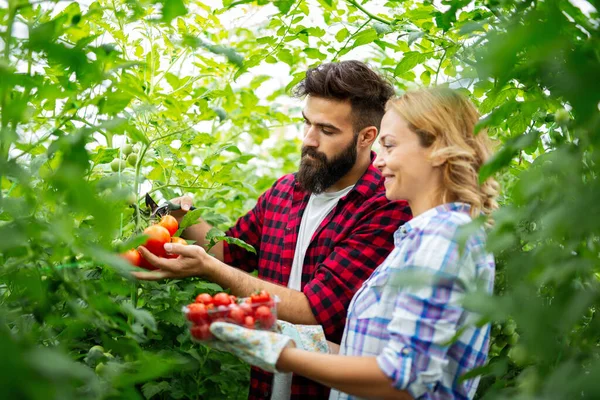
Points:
(310, 137)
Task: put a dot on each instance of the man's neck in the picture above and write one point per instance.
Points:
(357, 171)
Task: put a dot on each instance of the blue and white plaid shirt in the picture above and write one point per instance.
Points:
(410, 326)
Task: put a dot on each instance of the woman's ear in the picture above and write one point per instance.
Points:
(438, 161)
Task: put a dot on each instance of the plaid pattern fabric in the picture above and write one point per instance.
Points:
(408, 311)
(346, 248)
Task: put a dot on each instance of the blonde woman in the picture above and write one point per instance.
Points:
(407, 341)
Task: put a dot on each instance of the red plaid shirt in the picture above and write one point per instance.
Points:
(346, 248)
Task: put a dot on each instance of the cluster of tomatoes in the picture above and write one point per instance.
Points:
(158, 235)
(255, 312)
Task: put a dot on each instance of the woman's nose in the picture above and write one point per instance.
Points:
(378, 163)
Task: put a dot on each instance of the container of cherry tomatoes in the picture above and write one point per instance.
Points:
(259, 311)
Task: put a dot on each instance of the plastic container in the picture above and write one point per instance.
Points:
(255, 312)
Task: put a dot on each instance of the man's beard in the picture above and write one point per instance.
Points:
(318, 174)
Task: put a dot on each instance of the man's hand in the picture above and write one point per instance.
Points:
(191, 262)
(186, 203)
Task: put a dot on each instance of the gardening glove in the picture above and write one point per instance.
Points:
(256, 347)
(306, 337)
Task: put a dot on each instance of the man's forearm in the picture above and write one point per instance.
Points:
(198, 233)
(294, 306)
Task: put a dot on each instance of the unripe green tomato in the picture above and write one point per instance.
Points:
(100, 369)
(132, 159)
(96, 349)
(518, 355)
(109, 356)
(127, 149)
(513, 339)
(116, 163)
(562, 116)
(509, 328)
(131, 199)
(500, 341)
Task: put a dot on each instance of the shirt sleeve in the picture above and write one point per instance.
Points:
(351, 262)
(426, 317)
(249, 229)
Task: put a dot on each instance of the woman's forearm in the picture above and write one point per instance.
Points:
(359, 376)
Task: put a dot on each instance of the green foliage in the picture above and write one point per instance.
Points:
(102, 103)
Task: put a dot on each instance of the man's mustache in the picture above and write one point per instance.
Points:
(310, 151)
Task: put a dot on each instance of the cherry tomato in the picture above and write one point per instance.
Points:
(249, 322)
(247, 308)
(204, 298)
(264, 317)
(221, 299)
(158, 236)
(260, 297)
(133, 257)
(237, 315)
(169, 223)
(233, 299)
(201, 332)
(197, 313)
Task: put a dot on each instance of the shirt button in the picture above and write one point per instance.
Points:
(406, 351)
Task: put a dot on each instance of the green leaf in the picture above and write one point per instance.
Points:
(284, 6)
(342, 35)
(144, 317)
(172, 9)
(365, 37)
(240, 243)
(190, 218)
(409, 60)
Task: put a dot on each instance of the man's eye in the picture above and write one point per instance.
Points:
(326, 132)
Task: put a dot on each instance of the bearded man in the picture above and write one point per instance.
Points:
(319, 233)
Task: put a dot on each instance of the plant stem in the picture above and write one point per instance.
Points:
(4, 142)
(370, 15)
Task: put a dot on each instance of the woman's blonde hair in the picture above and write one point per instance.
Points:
(445, 121)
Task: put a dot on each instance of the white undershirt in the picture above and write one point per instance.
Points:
(318, 207)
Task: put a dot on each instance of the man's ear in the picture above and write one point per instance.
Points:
(367, 136)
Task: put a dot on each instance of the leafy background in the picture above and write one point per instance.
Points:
(199, 94)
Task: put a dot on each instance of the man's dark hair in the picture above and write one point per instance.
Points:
(350, 80)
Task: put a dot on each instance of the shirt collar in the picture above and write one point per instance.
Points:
(424, 218)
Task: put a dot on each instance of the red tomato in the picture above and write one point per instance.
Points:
(204, 298)
(133, 257)
(260, 297)
(249, 322)
(247, 308)
(201, 332)
(233, 299)
(169, 223)
(197, 313)
(178, 240)
(146, 265)
(221, 299)
(158, 236)
(264, 317)
(237, 315)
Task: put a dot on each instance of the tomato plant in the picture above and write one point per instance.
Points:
(104, 101)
